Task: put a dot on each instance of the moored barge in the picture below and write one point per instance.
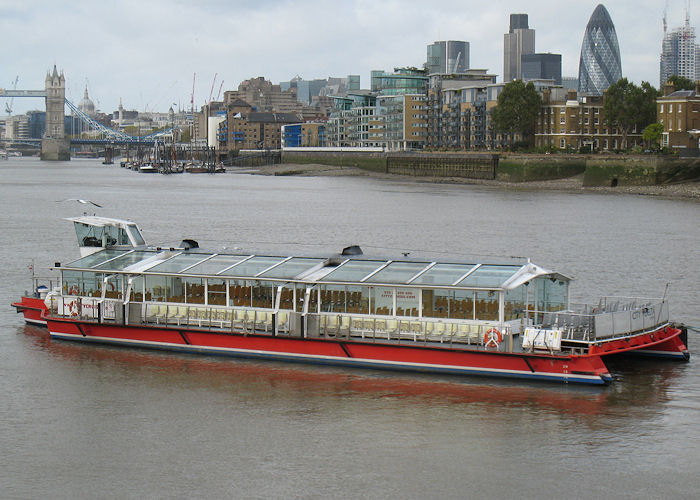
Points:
(507, 319)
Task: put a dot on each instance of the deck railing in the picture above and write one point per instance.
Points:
(611, 317)
(283, 322)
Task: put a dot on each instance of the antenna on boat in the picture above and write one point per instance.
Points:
(663, 299)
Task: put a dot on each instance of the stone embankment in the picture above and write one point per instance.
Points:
(644, 174)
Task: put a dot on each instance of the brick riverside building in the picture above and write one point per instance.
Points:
(679, 113)
(566, 122)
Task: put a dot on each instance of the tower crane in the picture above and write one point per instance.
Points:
(8, 106)
(218, 94)
(211, 92)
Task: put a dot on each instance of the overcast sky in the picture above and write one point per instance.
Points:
(146, 51)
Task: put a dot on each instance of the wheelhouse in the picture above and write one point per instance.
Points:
(95, 233)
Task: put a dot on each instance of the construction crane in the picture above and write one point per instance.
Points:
(8, 106)
(218, 94)
(211, 92)
(194, 77)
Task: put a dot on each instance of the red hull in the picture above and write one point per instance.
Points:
(32, 308)
(589, 369)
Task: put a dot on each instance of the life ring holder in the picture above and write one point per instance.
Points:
(493, 337)
(74, 290)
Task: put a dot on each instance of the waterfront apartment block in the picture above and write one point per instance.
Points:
(679, 113)
(304, 135)
(392, 115)
(569, 123)
(458, 110)
(254, 130)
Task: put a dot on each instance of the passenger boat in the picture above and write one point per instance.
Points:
(507, 319)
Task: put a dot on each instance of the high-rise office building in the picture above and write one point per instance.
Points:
(600, 65)
(541, 67)
(679, 53)
(518, 41)
(448, 57)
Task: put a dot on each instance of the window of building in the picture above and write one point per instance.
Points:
(562, 130)
(563, 119)
(661, 109)
(670, 108)
(562, 143)
(679, 124)
(586, 121)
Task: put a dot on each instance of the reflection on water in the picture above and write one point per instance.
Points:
(85, 420)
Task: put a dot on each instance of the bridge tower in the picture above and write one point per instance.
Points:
(55, 145)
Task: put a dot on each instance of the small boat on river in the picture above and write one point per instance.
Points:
(494, 318)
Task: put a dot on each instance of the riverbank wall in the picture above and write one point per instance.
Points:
(597, 170)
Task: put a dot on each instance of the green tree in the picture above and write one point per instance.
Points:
(517, 110)
(681, 83)
(652, 134)
(627, 106)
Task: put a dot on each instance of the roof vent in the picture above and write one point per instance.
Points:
(352, 250)
(189, 244)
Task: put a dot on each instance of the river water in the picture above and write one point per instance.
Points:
(101, 422)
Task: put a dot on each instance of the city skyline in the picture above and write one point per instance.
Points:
(148, 61)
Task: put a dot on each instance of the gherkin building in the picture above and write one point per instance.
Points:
(600, 64)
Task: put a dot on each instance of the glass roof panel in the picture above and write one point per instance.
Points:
(398, 272)
(354, 270)
(178, 263)
(125, 260)
(252, 266)
(443, 274)
(95, 258)
(291, 268)
(489, 276)
(215, 264)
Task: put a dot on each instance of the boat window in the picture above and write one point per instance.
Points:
(407, 301)
(489, 276)
(354, 270)
(486, 305)
(156, 289)
(85, 284)
(383, 300)
(215, 264)
(286, 297)
(239, 293)
(100, 236)
(124, 261)
(552, 294)
(515, 303)
(136, 235)
(292, 268)
(194, 290)
(178, 263)
(95, 259)
(442, 274)
(398, 272)
(216, 292)
(262, 293)
(252, 266)
(136, 290)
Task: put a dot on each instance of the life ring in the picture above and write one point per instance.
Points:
(493, 337)
(74, 290)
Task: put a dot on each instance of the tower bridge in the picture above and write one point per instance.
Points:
(55, 145)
